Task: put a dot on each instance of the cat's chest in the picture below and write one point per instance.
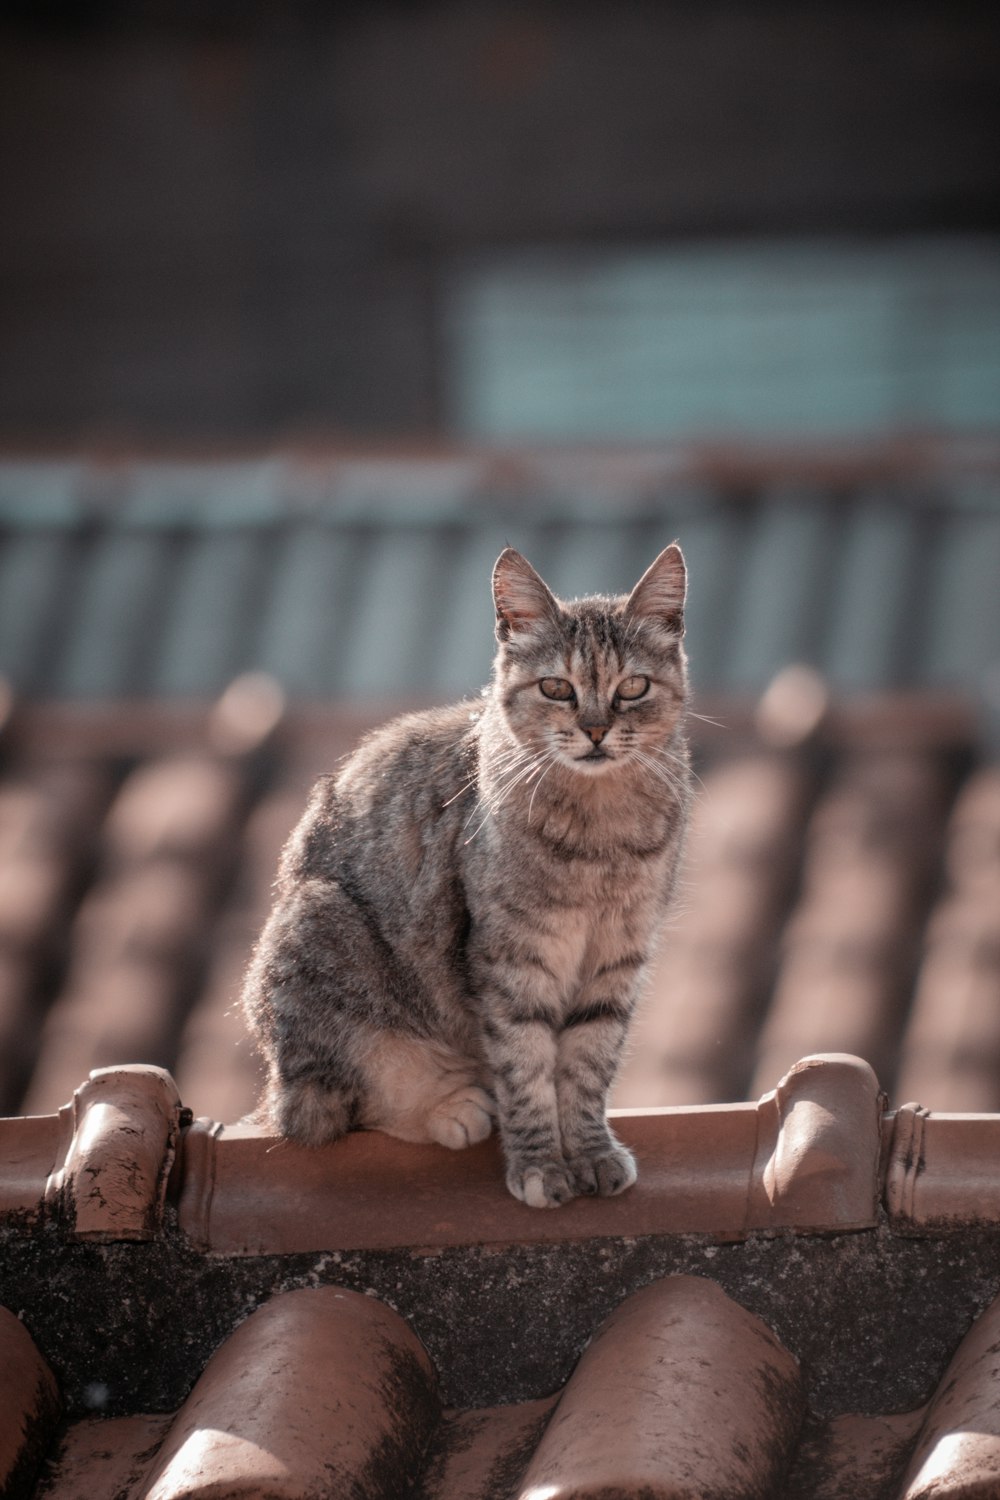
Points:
(578, 943)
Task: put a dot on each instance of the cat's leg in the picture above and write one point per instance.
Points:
(590, 1046)
(521, 1051)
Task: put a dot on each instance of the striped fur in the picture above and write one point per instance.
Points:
(464, 915)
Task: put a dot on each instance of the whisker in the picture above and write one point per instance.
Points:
(680, 761)
(531, 801)
(521, 768)
(662, 772)
(459, 793)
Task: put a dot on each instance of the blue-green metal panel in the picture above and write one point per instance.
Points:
(38, 493)
(772, 338)
(370, 590)
(872, 570)
(963, 635)
(122, 578)
(781, 594)
(210, 632)
(36, 565)
(308, 605)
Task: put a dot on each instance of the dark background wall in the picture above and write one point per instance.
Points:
(246, 221)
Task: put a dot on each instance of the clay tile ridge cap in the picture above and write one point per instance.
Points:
(941, 1170)
(805, 1158)
(99, 1168)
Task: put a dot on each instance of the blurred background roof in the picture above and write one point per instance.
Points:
(306, 312)
(366, 577)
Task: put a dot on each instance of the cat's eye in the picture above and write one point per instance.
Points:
(633, 687)
(558, 688)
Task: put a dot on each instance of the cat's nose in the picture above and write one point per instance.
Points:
(595, 731)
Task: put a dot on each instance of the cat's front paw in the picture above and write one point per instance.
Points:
(605, 1173)
(542, 1184)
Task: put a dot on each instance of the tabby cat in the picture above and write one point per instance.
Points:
(464, 913)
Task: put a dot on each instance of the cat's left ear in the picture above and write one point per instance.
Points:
(661, 591)
(522, 598)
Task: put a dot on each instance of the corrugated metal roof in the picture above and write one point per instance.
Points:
(370, 577)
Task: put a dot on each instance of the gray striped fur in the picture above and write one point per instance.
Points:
(465, 912)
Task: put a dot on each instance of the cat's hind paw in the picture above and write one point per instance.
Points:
(463, 1119)
(543, 1185)
(605, 1173)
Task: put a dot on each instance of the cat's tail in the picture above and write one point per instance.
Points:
(307, 1110)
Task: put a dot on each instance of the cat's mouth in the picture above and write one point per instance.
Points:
(597, 754)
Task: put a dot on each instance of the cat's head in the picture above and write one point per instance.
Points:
(597, 683)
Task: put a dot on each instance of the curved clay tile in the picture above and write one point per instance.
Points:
(319, 1392)
(957, 1456)
(29, 1406)
(682, 1395)
(951, 1046)
(869, 855)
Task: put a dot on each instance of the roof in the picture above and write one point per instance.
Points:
(690, 1338)
(353, 576)
(195, 1308)
(841, 891)
(843, 627)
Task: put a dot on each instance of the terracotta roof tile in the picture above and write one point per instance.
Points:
(810, 892)
(805, 1158)
(681, 1395)
(112, 1182)
(29, 1406)
(853, 1457)
(173, 808)
(49, 812)
(951, 1047)
(103, 1456)
(696, 1024)
(107, 1014)
(941, 1169)
(218, 1071)
(870, 853)
(482, 1453)
(682, 1389)
(957, 1456)
(139, 934)
(318, 1390)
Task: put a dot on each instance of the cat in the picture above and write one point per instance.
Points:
(465, 912)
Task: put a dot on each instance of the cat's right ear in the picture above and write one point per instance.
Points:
(521, 597)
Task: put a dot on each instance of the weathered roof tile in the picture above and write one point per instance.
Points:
(29, 1406)
(681, 1394)
(680, 1391)
(113, 1180)
(957, 1456)
(318, 1390)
